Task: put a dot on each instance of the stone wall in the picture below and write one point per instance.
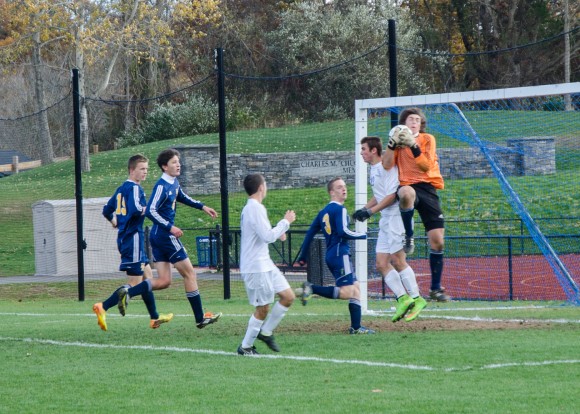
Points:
(200, 173)
(522, 156)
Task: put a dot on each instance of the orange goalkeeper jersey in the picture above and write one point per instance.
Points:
(424, 168)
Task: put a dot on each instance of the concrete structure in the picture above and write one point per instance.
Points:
(55, 238)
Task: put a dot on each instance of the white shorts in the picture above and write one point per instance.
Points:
(261, 287)
(391, 234)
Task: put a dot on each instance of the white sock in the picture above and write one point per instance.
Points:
(274, 318)
(393, 281)
(252, 332)
(410, 281)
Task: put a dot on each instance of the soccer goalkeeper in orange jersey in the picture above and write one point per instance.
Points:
(415, 156)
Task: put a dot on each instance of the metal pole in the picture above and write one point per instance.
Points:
(393, 68)
(81, 245)
(219, 55)
(510, 269)
(567, 97)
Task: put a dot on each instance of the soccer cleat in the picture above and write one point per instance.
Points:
(409, 245)
(439, 295)
(123, 295)
(247, 351)
(419, 305)
(404, 304)
(269, 340)
(101, 315)
(306, 292)
(360, 331)
(163, 318)
(208, 319)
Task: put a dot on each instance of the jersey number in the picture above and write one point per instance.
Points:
(121, 209)
(326, 221)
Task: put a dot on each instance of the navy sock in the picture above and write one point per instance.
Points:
(407, 216)
(195, 301)
(139, 289)
(330, 292)
(113, 299)
(355, 313)
(436, 264)
(149, 300)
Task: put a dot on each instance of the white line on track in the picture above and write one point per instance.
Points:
(287, 357)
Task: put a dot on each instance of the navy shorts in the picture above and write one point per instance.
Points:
(167, 248)
(342, 270)
(133, 255)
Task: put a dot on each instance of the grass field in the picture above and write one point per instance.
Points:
(457, 358)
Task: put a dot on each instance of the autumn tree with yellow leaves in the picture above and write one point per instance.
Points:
(96, 36)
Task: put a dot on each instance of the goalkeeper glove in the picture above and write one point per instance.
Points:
(362, 214)
(392, 144)
(394, 139)
(406, 138)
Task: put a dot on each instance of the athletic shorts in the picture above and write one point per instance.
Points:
(428, 206)
(133, 255)
(391, 234)
(261, 287)
(167, 248)
(342, 270)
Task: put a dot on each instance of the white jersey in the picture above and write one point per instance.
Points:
(257, 233)
(385, 182)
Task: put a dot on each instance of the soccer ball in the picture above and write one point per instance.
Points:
(398, 129)
(402, 136)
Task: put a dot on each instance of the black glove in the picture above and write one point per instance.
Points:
(392, 144)
(362, 214)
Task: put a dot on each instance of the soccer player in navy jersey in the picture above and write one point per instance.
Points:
(333, 221)
(126, 212)
(164, 238)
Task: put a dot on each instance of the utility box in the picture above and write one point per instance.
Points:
(55, 238)
(204, 259)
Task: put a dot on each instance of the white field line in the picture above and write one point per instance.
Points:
(290, 314)
(287, 357)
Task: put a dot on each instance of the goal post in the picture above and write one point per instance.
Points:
(510, 161)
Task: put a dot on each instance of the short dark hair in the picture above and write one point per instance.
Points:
(331, 183)
(373, 142)
(165, 155)
(413, 111)
(252, 182)
(134, 160)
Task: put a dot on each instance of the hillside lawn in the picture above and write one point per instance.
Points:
(462, 199)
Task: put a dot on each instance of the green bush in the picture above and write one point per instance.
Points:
(197, 115)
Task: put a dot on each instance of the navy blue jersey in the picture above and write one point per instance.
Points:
(128, 204)
(162, 204)
(333, 221)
